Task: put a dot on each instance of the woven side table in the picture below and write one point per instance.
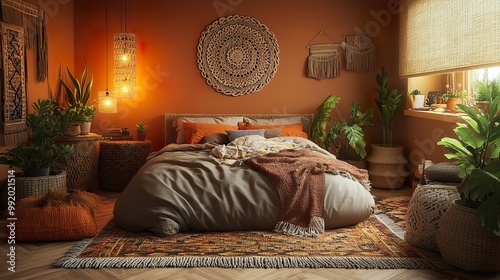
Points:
(119, 161)
(81, 167)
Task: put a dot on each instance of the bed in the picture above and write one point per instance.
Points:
(192, 184)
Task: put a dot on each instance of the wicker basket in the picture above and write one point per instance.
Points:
(37, 186)
(464, 243)
(81, 166)
(119, 161)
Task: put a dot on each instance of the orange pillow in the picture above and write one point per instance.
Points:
(196, 131)
(286, 129)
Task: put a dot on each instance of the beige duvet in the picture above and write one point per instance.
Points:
(182, 188)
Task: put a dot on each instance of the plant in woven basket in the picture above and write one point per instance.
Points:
(344, 135)
(476, 152)
(47, 121)
(388, 104)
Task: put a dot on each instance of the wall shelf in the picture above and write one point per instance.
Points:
(436, 116)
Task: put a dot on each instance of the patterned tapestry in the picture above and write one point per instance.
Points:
(13, 83)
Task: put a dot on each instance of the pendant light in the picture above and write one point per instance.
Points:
(107, 99)
(124, 60)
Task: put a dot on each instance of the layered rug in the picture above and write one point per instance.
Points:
(373, 244)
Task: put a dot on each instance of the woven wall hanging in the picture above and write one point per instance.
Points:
(359, 52)
(14, 90)
(323, 61)
(237, 55)
(33, 19)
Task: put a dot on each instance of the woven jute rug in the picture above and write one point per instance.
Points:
(371, 244)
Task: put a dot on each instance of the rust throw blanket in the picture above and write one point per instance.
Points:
(298, 176)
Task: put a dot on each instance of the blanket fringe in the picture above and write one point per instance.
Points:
(316, 227)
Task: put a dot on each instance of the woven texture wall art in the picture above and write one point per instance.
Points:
(13, 84)
(359, 53)
(237, 55)
(323, 61)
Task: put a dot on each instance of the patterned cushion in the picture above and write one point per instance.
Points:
(446, 172)
(233, 134)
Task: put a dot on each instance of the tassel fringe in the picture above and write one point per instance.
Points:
(323, 62)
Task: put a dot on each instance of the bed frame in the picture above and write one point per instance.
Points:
(171, 133)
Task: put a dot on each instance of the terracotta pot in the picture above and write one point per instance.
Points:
(464, 243)
(451, 104)
(387, 167)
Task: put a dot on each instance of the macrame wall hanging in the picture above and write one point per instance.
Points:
(14, 91)
(33, 19)
(359, 52)
(324, 60)
(237, 55)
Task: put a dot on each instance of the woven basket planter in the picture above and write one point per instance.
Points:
(387, 167)
(464, 243)
(40, 185)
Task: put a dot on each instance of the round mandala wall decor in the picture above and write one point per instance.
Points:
(237, 55)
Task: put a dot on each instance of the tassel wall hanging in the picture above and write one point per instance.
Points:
(323, 61)
(359, 52)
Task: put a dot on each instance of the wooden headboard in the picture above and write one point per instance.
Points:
(171, 133)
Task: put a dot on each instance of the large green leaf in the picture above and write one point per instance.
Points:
(320, 121)
(355, 137)
(469, 136)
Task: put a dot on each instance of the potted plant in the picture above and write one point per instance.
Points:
(141, 130)
(46, 122)
(78, 98)
(386, 162)
(345, 137)
(416, 99)
(487, 91)
(453, 97)
(469, 231)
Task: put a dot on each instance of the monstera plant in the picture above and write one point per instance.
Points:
(342, 135)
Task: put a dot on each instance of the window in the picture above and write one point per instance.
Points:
(484, 83)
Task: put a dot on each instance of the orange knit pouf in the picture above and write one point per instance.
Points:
(56, 216)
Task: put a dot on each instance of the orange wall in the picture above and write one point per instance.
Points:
(169, 81)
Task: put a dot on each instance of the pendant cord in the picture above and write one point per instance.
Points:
(106, 47)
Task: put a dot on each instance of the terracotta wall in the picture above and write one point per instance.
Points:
(169, 81)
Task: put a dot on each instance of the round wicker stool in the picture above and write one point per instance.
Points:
(119, 161)
(427, 205)
(81, 167)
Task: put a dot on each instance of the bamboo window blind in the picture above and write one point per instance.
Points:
(448, 35)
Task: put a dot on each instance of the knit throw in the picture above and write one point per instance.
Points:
(299, 178)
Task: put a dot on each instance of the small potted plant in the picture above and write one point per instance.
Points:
(453, 97)
(78, 98)
(416, 99)
(141, 131)
(469, 231)
(345, 137)
(487, 91)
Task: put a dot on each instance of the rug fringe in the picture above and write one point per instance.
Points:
(247, 262)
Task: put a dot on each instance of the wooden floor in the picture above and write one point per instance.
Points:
(33, 261)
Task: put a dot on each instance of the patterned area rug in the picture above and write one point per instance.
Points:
(367, 245)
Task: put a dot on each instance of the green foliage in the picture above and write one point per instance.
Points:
(46, 122)
(141, 127)
(414, 92)
(476, 152)
(488, 91)
(388, 104)
(78, 97)
(343, 135)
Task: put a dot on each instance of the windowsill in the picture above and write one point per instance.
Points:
(436, 116)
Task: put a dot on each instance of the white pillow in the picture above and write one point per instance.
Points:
(233, 134)
(179, 127)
